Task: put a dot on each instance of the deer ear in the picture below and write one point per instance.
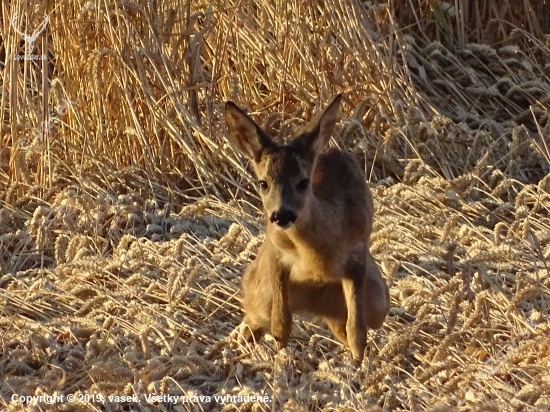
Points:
(317, 138)
(249, 138)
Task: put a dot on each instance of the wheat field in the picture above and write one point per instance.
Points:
(126, 219)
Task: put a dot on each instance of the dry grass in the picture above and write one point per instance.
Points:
(124, 229)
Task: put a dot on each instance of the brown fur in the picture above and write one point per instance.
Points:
(318, 263)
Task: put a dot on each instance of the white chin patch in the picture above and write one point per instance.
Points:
(278, 227)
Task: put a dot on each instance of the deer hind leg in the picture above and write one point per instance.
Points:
(353, 285)
(377, 299)
(251, 330)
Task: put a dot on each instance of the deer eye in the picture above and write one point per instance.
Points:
(302, 185)
(263, 185)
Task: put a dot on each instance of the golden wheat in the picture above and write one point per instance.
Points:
(124, 230)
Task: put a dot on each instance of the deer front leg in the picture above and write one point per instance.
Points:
(281, 317)
(353, 285)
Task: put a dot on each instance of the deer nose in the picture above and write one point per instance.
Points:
(283, 217)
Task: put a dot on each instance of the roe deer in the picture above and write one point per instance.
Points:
(315, 258)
